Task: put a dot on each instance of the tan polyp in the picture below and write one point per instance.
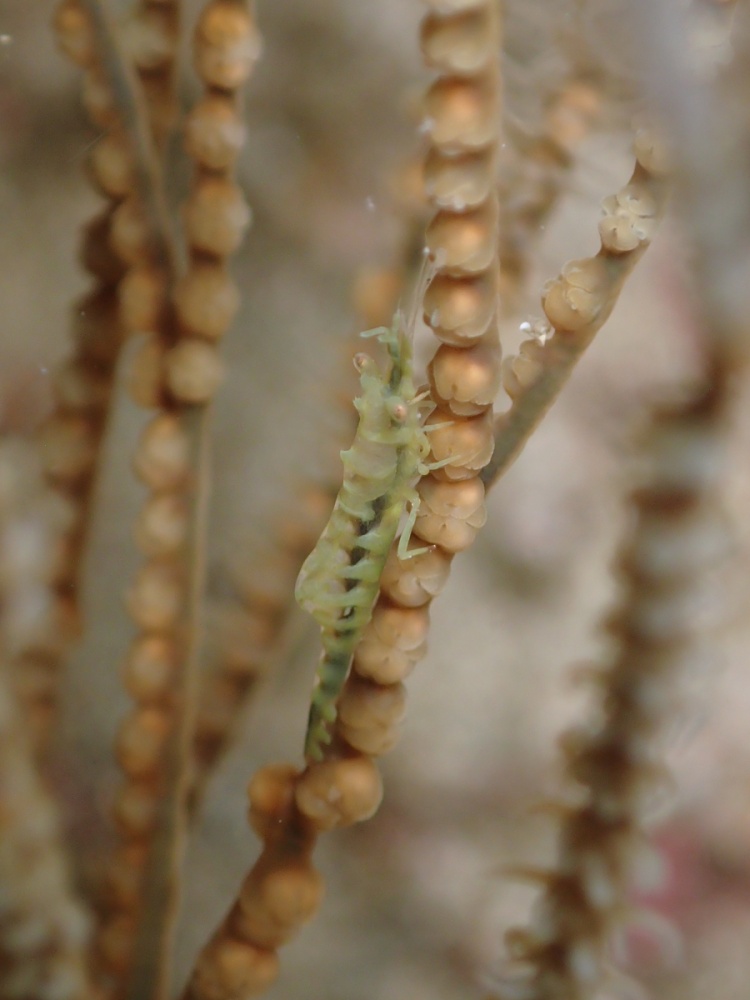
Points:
(162, 458)
(379, 662)
(392, 644)
(367, 705)
(619, 234)
(400, 628)
(252, 923)
(460, 44)
(194, 371)
(451, 513)
(369, 734)
(140, 741)
(135, 808)
(229, 969)
(522, 371)
(97, 98)
(630, 219)
(461, 500)
(67, 448)
(286, 893)
(374, 741)
(415, 582)
(52, 626)
(142, 297)
(112, 165)
(206, 300)
(573, 300)
(129, 233)
(75, 33)
(466, 379)
(457, 182)
(468, 442)
(459, 116)
(156, 596)
(339, 792)
(570, 117)
(226, 45)
(464, 241)
(215, 132)
(216, 216)
(460, 310)
(149, 668)
(652, 153)
(162, 525)
(271, 795)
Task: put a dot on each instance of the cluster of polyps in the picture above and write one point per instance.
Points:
(183, 317)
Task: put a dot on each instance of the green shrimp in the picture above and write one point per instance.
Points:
(339, 581)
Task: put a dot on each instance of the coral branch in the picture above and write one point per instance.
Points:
(578, 303)
(44, 931)
(665, 568)
(177, 372)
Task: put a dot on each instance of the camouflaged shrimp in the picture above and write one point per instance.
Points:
(338, 583)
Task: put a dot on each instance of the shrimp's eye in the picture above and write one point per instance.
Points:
(361, 360)
(398, 410)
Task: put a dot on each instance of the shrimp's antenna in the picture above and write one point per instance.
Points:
(427, 271)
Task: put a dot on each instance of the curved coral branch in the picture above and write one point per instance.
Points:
(578, 303)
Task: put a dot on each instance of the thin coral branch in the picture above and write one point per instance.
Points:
(177, 372)
(577, 304)
(153, 944)
(71, 439)
(44, 930)
(150, 39)
(666, 569)
(134, 113)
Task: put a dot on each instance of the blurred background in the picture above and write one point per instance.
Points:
(416, 902)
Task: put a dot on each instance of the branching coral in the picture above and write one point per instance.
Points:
(165, 281)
